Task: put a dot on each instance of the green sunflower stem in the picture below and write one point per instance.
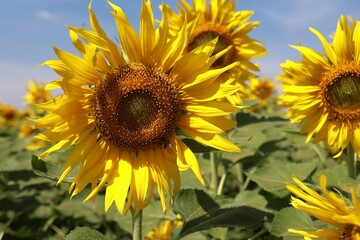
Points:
(239, 174)
(214, 158)
(351, 161)
(137, 224)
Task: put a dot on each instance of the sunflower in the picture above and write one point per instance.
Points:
(329, 208)
(25, 131)
(231, 27)
(165, 229)
(8, 115)
(123, 109)
(323, 89)
(261, 89)
(37, 93)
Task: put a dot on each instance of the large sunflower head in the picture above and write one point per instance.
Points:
(323, 89)
(328, 207)
(122, 108)
(220, 20)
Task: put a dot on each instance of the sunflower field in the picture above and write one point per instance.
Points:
(172, 133)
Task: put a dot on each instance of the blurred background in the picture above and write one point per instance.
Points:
(29, 29)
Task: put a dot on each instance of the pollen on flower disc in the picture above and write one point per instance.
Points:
(136, 107)
(341, 91)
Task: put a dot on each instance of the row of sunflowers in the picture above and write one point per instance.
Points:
(172, 134)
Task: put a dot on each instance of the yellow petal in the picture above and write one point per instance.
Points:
(356, 138)
(147, 33)
(187, 156)
(206, 124)
(214, 91)
(210, 139)
(185, 71)
(327, 47)
(212, 109)
(90, 52)
(59, 67)
(76, 156)
(323, 233)
(111, 192)
(107, 171)
(173, 171)
(92, 168)
(140, 179)
(113, 53)
(55, 147)
(129, 39)
(343, 44)
(301, 89)
(356, 40)
(123, 180)
(161, 36)
(205, 79)
(174, 48)
(312, 55)
(80, 67)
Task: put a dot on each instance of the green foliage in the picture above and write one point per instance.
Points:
(33, 207)
(200, 212)
(272, 176)
(85, 233)
(291, 218)
(13, 155)
(50, 170)
(251, 200)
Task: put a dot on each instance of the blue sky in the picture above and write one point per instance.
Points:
(29, 29)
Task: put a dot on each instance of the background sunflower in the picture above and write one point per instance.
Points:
(220, 20)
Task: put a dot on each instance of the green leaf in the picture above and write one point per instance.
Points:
(85, 233)
(259, 132)
(336, 175)
(245, 119)
(251, 198)
(13, 155)
(200, 212)
(6, 132)
(272, 177)
(346, 184)
(291, 218)
(217, 233)
(50, 170)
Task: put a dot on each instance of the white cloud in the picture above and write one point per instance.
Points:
(46, 15)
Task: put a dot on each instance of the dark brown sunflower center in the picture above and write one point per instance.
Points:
(341, 91)
(350, 232)
(136, 110)
(344, 93)
(136, 107)
(263, 92)
(224, 41)
(9, 115)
